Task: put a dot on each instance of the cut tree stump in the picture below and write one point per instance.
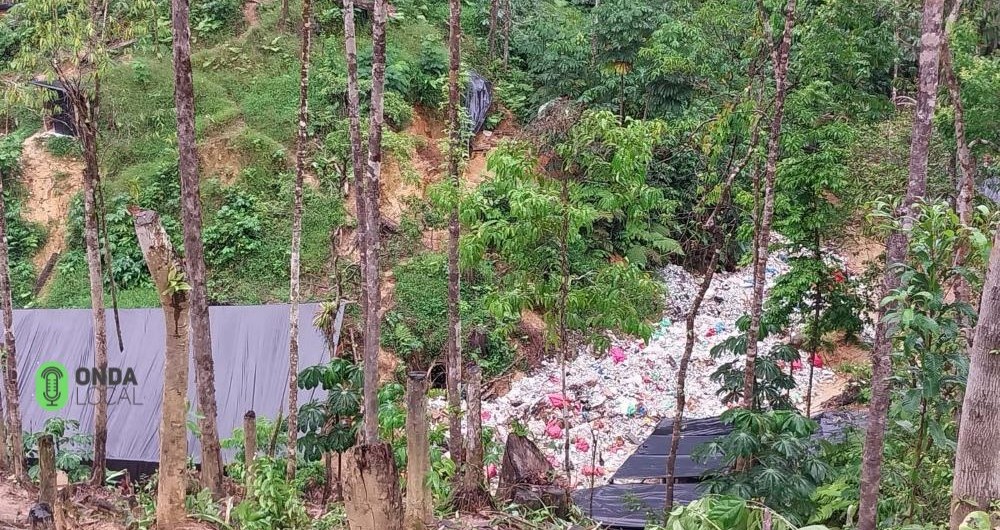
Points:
(371, 488)
(527, 478)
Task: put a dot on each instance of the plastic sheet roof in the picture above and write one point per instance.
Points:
(250, 348)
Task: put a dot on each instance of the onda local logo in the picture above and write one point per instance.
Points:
(53, 392)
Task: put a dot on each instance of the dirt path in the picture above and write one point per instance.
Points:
(50, 183)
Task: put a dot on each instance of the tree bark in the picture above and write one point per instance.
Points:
(507, 21)
(454, 347)
(86, 125)
(357, 151)
(763, 236)
(13, 443)
(471, 496)
(966, 161)
(896, 250)
(194, 255)
(563, 308)
(372, 320)
(46, 470)
(492, 38)
(371, 491)
(715, 251)
(976, 485)
(419, 507)
(165, 268)
(249, 450)
(295, 265)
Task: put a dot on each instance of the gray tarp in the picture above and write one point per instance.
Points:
(478, 101)
(250, 347)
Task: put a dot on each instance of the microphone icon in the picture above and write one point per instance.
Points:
(51, 375)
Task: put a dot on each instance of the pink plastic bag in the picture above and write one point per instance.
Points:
(553, 430)
(617, 354)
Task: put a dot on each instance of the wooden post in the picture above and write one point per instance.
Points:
(249, 447)
(47, 470)
(418, 500)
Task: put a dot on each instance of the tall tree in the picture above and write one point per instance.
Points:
(371, 489)
(896, 246)
(166, 270)
(453, 350)
(976, 485)
(966, 161)
(492, 37)
(295, 266)
(357, 151)
(194, 253)
(13, 444)
(763, 233)
(73, 44)
(372, 223)
(714, 252)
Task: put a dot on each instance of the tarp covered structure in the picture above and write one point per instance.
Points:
(250, 348)
(478, 101)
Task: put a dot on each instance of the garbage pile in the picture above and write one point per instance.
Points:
(616, 398)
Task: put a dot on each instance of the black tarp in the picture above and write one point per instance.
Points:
(59, 107)
(642, 495)
(631, 505)
(250, 348)
(477, 101)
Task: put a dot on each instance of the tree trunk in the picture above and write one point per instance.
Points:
(13, 444)
(419, 506)
(715, 251)
(249, 450)
(5, 456)
(164, 267)
(454, 347)
(976, 484)
(295, 266)
(371, 491)
(283, 15)
(471, 496)
(763, 236)
(47, 470)
(370, 228)
(492, 38)
(86, 125)
(508, 16)
(896, 250)
(357, 151)
(563, 308)
(966, 162)
(194, 255)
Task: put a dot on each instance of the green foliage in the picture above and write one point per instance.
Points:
(414, 329)
(780, 461)
(517, 217)
(62, 146)
(73, 448)
(330, 424)
(721, 512)
(275, 502)
(235, 231)
(772, 383)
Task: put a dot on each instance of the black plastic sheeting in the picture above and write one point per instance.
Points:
(642, 496)
(649, 462)
(59, 107)
(478, 100)
(250, 348)
(631, 505)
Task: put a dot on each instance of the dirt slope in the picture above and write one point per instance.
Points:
(50, 183)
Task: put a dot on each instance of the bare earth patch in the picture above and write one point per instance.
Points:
(50, 182)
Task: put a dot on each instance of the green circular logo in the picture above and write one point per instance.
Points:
(52, 386)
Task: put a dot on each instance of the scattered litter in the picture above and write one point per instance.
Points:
(619, 397)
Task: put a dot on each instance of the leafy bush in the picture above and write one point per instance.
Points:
(770, 456)
(771, 382)
(236, 230)
(275, 503)
(73, 448)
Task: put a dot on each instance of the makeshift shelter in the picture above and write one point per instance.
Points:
(58, 109)
(250, 348)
